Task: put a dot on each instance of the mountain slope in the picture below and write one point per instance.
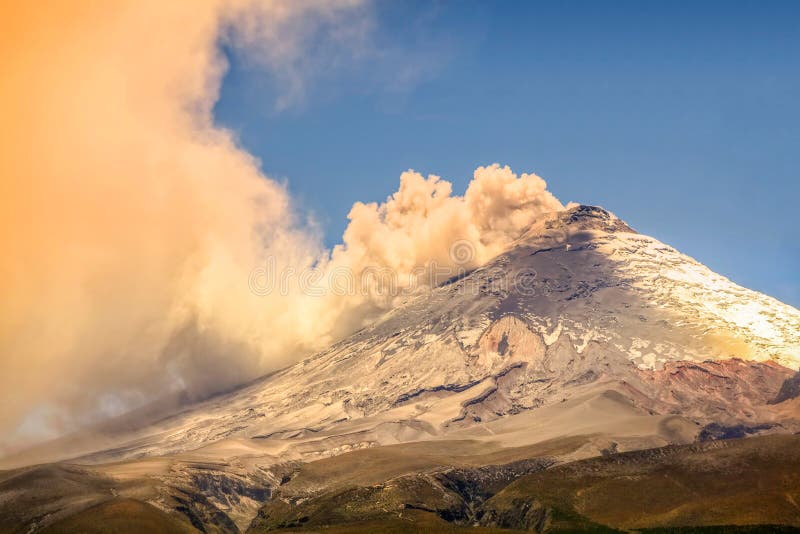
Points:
(580, 302)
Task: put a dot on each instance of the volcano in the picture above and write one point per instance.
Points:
(583, 339)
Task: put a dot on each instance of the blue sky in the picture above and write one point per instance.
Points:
(681, 117)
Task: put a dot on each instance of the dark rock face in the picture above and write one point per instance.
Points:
(585, 211)
(715, 431)
(595, 217)
(789, 390)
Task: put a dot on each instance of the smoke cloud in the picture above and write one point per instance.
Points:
(130, 224)
(419, 222)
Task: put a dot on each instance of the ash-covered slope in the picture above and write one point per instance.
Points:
(579, 305)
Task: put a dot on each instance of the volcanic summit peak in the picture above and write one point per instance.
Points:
(589, 216)
(583, 211)
(579, 221)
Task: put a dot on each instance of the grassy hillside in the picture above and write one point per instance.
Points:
(121, 516)
(739, 482)
(742, 486)
(750, 485)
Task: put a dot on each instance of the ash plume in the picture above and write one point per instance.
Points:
(130, 223)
